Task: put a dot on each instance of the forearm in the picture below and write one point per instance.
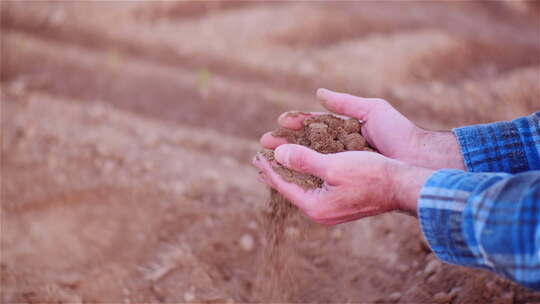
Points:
(484, 220)
(508, 146)
(407, 183)
(437, 150)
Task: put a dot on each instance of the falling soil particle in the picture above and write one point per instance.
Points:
(325, 134)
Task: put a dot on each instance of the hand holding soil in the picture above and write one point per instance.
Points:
(340, 186)
(384, 128)
(356, 184)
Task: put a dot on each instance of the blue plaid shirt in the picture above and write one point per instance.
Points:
(489, 217)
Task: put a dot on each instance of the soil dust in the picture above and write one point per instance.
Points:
(325, 134)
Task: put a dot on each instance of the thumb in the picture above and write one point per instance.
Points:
(346, 104)
(302, 159)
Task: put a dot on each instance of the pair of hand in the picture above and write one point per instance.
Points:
(359, 183)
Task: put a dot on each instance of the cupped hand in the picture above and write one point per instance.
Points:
(356, 183)
(386, 129)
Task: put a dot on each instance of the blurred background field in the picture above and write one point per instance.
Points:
(128, 130)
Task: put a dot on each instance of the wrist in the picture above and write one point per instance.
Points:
(407, 183)
(437, 150)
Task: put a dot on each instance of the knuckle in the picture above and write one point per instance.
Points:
(284, 116)
(383, 103)
(332, 173)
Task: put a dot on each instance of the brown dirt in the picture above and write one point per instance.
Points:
(325, 134)
(127, 130)
(276, 283)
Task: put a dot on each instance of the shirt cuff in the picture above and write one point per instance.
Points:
(440, 212)
(495, 147)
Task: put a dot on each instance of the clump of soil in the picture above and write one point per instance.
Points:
(325, 134)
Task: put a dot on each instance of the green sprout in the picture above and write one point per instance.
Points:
(203, 78)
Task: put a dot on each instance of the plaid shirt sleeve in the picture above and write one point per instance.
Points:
(506, 146)
(489, 220)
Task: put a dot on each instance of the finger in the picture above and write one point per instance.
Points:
(262, 176)
(295, 120)
(346, 104)
(292, 192)
(261, 179)
(268, 141)
(302, 159)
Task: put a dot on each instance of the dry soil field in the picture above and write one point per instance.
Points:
(128, 130)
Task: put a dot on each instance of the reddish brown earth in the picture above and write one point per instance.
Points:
(128, 130)
(325, 134)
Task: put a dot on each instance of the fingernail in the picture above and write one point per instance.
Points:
(322, 95)
(282, 116)
(281, 154)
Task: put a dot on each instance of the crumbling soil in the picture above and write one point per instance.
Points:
(325, 134)
(322, 133)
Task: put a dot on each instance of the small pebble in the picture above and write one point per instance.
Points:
(431, 267)
(318, 126)
(189, 296)
(395, 296)
(455, 291)
(442, 297)
(253, 225)
(18, 86)
(246, 242)
(432, 279)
